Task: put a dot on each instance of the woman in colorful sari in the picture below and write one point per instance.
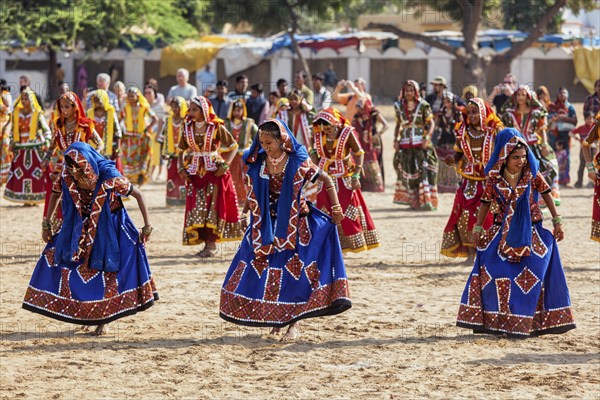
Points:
(300, 116)
(337, 152)
(473, 149)
(72, 125)
(447, 119)
(6, 154)
(289, 265)
(517, 286)
(592, 163)
(282, 108)
(415, 161)
(365, 124)
(526, 114)
(172, 132)
(211, 208)
(136, 147)
(94, 270)
(106, 123)
(243, 130)
(30, 135)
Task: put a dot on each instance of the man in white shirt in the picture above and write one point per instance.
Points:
(322, 95)
(183, 88)
(103, 82)
(205, 78)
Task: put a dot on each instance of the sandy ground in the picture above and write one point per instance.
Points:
(398, 340)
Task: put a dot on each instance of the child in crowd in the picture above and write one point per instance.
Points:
(563, 164)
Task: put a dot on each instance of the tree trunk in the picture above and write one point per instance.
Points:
(302, 59)
(475, 68)
(52, 89)
(293, 30)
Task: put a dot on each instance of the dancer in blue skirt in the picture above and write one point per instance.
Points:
(289, 265)
(94, 270)
(517, 286)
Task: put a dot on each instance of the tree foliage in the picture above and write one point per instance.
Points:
(473, 15)
(99, 24)
(268, 17)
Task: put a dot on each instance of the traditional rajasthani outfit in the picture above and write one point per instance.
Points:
(357, 230)
(300, 123)
(211, 208)
(364, 124)
(417, 168)
(26, 180)
(533, 126)
(136, 149)
(594, 137)
(94, 270)
(289, 265)
(107, 127)
(6, 154)
(170, 138)
(64, 136)
(449, 117)
(517, 285)
(281, 109)
(243, 131)
(476, 149)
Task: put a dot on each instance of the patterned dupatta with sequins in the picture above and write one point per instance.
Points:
(85, 125)
(266, 239)
(530, 124)
(335, 166)
(203, 150)
(516, 226)
(88, 238)
(489, 124)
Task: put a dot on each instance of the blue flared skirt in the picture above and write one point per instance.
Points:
(72, 292)
(309, 281)
(522, 299)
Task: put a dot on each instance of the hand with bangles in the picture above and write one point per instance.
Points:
(336, 213)
(477, 234)
(355, 182)
(591, 171)
(557, 231)
(182, 171)
(145, 233)
(222, 168)
(46, 231)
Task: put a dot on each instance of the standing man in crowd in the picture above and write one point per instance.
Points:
(592, 102)
(330, 78)
(300, 84)
(204, 78)
(502, 92)
(221, 101)
(322, 95)
(241, 89)
(183, 88)
(103, 82)
(25, 83)
(257, 105)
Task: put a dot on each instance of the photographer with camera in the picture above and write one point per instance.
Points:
(502, 92)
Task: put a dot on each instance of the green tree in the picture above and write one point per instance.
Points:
(273, 16)
(522, 14)
(472, 14)
(95, 24)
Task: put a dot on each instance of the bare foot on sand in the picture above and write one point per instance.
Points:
(292, 334)
(101, 330)
(275, 331)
